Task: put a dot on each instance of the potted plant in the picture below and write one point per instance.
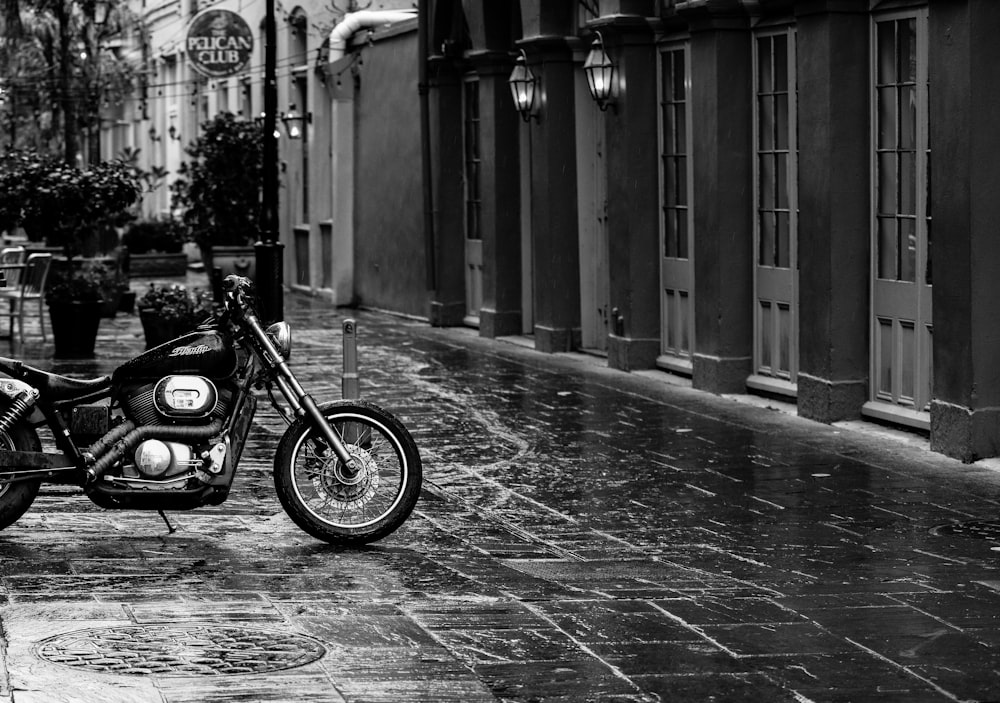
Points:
(73, 210)
(64, 206)
(218, 192)
(167, 312)
(155, 248)
(76, 298)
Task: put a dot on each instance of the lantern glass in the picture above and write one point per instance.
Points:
(522, 87)
(291, 120)
(600, 73)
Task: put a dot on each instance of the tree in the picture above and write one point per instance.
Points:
(219, 190)
(59, 72)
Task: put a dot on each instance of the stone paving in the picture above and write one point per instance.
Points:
(584, 535)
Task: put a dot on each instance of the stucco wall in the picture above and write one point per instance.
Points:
(390, 270)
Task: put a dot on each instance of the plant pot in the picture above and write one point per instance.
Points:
(74, 328)
(159, 330)
(109, 308)
(126, 303)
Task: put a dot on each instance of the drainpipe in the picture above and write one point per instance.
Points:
(356, 21)
(423, 42)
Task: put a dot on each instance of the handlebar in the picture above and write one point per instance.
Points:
(232, 282)
(238, 292)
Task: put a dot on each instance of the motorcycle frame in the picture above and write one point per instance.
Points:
(74, 464)
(301, 403)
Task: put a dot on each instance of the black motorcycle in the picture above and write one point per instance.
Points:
(166, 429)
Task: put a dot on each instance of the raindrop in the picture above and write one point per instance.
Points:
(821, 475)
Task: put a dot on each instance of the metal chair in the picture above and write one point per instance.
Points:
(31, 290)
(9, 256)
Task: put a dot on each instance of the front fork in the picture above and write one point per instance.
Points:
(301, 402)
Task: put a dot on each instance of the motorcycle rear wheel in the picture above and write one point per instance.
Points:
(17, 496)
(327, 501)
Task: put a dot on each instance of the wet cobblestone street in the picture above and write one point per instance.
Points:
(583, 535)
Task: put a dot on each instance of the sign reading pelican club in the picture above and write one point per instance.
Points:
(219, 43)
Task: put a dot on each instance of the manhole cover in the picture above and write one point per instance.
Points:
(195, 649)
(980, 529)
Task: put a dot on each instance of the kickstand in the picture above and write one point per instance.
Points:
(170, 528)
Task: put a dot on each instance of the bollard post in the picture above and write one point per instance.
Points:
(350, 378)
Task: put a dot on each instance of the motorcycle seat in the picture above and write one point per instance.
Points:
(62, 388)
(56, 388)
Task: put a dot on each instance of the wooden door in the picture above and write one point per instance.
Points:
(901, 364)
(775, 358)
(676, 222)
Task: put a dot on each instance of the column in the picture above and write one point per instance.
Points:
(965, 249)
(721, 98)
(834, 208)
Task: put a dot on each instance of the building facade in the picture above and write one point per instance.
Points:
(753, 207)
(349, 148)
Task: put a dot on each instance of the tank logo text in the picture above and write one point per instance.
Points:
(187, 351)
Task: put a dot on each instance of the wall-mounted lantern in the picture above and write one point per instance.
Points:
(153, 136)
(173, 133)
(523, 88)
(293, 122)
(600, 70)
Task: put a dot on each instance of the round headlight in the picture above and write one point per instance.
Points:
(281, 335)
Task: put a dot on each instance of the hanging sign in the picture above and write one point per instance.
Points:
(219, 43)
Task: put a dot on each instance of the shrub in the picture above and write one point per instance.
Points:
(178, 303)
(164, 235)
(219, 190)
(66, 206)
(90, 282)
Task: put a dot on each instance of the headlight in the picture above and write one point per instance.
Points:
(281, 335)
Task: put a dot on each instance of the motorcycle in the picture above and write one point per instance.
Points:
(166, 430)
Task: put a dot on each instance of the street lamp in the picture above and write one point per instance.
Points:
(523, 87)
(600, 70)
(292, 121)
(268, 250)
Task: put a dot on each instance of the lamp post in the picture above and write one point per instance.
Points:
(268, 250)
(98, 11)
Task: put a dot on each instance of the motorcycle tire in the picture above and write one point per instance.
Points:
(17, 497)
(331, 504)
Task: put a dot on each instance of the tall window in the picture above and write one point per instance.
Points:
(897, 170)
(774, 214)
(473, 198)
(674, 156)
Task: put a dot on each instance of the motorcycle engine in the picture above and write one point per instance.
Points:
(176, 399)
(158, 459)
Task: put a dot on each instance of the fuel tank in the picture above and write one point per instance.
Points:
(204, 353)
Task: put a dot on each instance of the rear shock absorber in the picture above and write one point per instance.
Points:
(20, 406)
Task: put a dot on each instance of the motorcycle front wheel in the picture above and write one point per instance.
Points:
(335, 504)
(17, 496)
